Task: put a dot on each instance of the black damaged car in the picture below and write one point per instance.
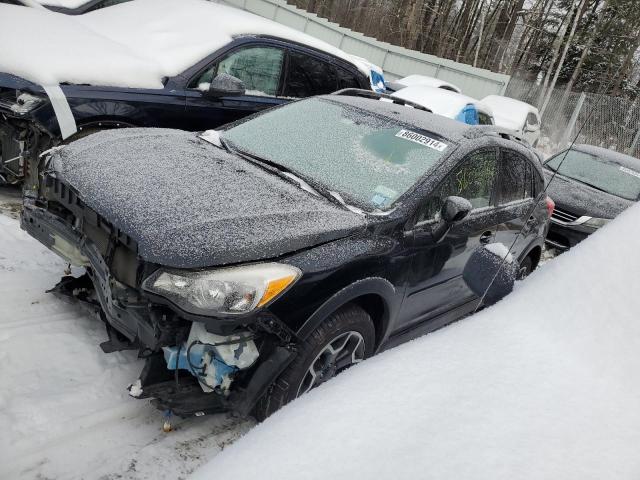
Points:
(251, 264)
(591, 186)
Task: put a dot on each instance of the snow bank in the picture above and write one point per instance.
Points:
(542, 386)
(64, 410)
(133, 44)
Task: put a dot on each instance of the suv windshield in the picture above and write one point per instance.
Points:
(597, 172)
(368, 159)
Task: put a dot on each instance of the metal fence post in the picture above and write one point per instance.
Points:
(634, 143)
(574, 119)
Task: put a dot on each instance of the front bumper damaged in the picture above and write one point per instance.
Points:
(191, 367)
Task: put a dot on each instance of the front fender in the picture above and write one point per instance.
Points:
(377, 286)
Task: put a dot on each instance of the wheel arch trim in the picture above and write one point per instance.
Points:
(377, 286)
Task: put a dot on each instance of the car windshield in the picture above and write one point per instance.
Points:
(599, 173)
(368, 159)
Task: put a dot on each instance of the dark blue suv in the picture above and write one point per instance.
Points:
(247, 74)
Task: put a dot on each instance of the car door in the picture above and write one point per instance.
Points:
(515, 198)
(435, 283)
(259, 66)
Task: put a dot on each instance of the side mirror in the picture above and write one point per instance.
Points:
(225, 85)
(455, 209)
(487, 264)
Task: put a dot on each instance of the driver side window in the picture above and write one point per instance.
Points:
(473, 179)
(260, 68)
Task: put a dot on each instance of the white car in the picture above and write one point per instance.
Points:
(512, 114)
(69, 7)
(413, 80)
(448, 104)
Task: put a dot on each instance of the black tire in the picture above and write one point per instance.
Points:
(526, 267)
(350, 319)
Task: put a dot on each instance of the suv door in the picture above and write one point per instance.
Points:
(435, 283)
(518, 186)
(259, 66)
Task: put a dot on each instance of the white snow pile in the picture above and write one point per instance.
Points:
(544, 385)
(133, 44)
(64, 410)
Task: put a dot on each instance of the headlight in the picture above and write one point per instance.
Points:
(596, 222)
(229, 291)
(25, 103)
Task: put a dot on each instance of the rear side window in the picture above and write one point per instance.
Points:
(307, 76)
(346, 79)
(532, 119)
(518, 178)
(474, 180)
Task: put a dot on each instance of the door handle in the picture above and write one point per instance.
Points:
(486, 237)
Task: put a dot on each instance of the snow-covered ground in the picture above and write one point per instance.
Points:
(543, 385)
(64, 410)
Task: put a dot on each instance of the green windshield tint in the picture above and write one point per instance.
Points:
(369, 160)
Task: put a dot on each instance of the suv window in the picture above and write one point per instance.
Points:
(513, 177)
(532, 119)
(307, 76)
(473, 179)
(259, 68)
(484, 119)
(346, 79)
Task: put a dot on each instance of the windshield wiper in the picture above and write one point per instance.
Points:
(288, 174)
(591, 185)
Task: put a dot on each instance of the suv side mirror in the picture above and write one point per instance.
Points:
(491, 272)
(225, 85)
(455, 209)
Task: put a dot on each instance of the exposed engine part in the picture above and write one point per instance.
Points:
(211, 358)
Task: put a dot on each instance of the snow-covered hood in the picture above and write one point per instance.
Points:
(584, 200)
(139, 42)
(189, 204)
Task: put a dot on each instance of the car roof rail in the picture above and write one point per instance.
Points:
(360, 92)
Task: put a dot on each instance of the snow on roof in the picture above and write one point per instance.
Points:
(542, 385)
(417, 79)
(509, 112)
(133, 44)
(55, 48)
(439, 101)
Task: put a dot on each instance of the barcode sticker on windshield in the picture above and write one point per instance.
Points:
(421, 139)
(630, 172)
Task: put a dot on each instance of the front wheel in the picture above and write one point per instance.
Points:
(347, 337)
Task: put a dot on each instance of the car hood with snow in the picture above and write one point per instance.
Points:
(190, 204)
(544, 385)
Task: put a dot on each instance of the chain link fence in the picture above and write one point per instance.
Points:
(595, 119)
